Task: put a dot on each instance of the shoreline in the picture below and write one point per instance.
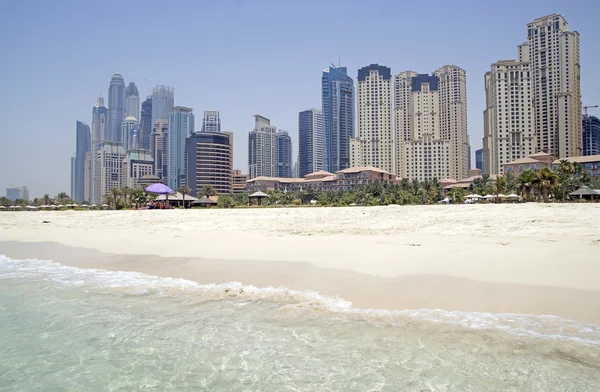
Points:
(411, 292)
(530, 258)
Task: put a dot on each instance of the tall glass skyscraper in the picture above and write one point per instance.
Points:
(132, 101)
(310, 141)
(163, 100)
(591, 135)
(116, 107)
(181, 126)
(99, 136)
(82, 147)
(146, 124)
(284, 154)
(338, 118)
(479, 159)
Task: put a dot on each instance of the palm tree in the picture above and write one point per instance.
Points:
(114, 196)
(512, 183)
(500, 186)
(21, 202)
(207, 191)
(457, 194)
(527, 180)
(138, 196)
(5, 201)
(47, 199)
(184, 190)
(547, 180)
(62, 198)
(126, 192)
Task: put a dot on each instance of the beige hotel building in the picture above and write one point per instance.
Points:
(374, 145)
(533, 104)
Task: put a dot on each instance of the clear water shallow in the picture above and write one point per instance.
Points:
(69, 329)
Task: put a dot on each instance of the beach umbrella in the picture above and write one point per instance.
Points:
(513, 196)
(488, 196)
(501, 195)
(160, 189)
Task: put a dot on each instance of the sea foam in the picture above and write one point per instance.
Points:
(139, 284)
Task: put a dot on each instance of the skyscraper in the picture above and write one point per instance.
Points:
(99, 136)
(82, 147)
(310, 142)
(591, 135)
(479, 160)
(284, 154)
(374, 145)
(337, 90)
(163, 100)
(553, 53)
(146, 123)
(422, 153)
(132, 101)
(17, 192)
(136, 164)
(509, 127)
(116, 107)
(534, 104)
(209, 161)
(453, 117)
(262, 149)
(128, 128)
(211, 122)
(181, 125)
(73, 170)
(110, 156)
(159, 148)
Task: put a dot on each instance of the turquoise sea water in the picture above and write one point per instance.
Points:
(69, 329)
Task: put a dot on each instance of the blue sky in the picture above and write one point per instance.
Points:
(242, 57)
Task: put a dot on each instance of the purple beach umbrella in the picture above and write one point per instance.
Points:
(161, 189)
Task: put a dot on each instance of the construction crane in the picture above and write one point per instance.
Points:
(585, 108)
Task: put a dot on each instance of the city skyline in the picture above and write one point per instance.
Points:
(83, 89)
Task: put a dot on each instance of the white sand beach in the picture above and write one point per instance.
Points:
(528, 258)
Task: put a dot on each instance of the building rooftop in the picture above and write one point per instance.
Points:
(540, 155)
(359, 169)
(132, 89)
(150, 177)
(112, 148)
(320, 173)
(139, 155)
(523, 161)
(584, 159)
